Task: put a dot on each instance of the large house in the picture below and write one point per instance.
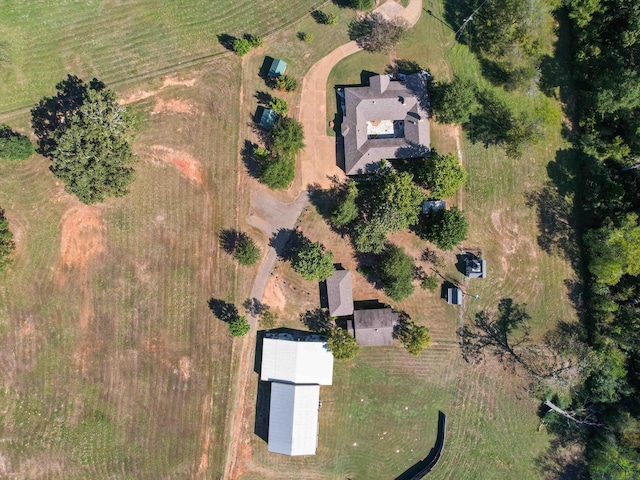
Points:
(296, 366)
(384, 120)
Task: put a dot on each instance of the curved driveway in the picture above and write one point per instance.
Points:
(318, 158)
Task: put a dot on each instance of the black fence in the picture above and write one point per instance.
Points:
(423, 467)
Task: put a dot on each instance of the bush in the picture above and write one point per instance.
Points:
(277, 172)
(268, 319)
(312, 261)
(279, 106)
(241, 46)
(254, 40)
(324, 18)
(246, 251)
(286, 83)
(305, 37)
(238, 326)
(342, 345)
(13, 145)
(7, 246)
(414, 338)
(396, 273)
(442, 175)
(446, 228)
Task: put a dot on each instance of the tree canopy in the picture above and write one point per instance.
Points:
(287, 137)
(374, 33)
(445, 228)
(341, 344)
(396, 273)
(345, 208)
(415, 338)
(87, 135)
(13, 145)
(455, 102)
(312, 261)
(246, 251)
(442, 175)
(239, 326)
(7, 246)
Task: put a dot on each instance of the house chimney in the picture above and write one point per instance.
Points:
(402, 101)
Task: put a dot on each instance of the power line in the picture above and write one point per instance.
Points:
(468, 19)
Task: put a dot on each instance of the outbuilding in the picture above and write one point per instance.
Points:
(373, 327)
(278, 67)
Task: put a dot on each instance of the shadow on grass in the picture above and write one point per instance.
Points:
(250, 163)
(424, 466)
(226, 41)
(223, 310)
(317, 320)
(286, 242)
(229, 239)
(263, 98)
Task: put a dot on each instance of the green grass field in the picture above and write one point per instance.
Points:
(115, 41)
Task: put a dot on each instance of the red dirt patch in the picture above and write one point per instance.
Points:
(140, 94)
(273, 295)
(173, 106)
(188, 166)
(82, 237)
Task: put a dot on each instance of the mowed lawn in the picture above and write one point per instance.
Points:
(380, 415)
(113, 365)
(40, 42)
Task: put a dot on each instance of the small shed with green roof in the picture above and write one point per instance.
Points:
(278, 67)
(268, 118)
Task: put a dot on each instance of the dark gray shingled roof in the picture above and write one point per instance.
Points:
(374, 327)
(339, 293)
(383, 99)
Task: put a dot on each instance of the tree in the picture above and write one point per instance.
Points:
(361, 4)
(13, 145)
(445, 228)
(396, 273)
(287, 137)
(277, 172)
(324, 18)
(374, 33)
(306, 37)
(268, 319)
(239, 326)
(241, 46)
(414, 338)
(285, 83)
(7, 246)
(279, 106)
(87, 135)
(614, 252)
(398, 192)
(455, 102)
(345, 209)
(429, 282)
(342, 345)
(442, 175)
(370, 234)
(246, 251)
(254, 40)
(312, 261)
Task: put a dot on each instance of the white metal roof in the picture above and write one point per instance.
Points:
(293, 419)
(296, 361)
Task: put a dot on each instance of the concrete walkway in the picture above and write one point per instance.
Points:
(318, 158)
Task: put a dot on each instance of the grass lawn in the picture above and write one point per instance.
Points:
(113, 363)
(43, 41)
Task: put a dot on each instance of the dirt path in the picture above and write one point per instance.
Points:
(317, 158)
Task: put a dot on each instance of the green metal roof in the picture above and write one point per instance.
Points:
(277, 67)
(268, 118)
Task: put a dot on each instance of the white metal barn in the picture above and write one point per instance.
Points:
(293, 418)
(296, 367)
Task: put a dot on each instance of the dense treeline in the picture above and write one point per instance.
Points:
(605, 68)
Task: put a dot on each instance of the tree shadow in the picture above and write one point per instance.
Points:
(286, 242)
(223, 310)
(226, 40)
(555, 79)
(455, 13)
(317, 320)
(493, 120)
(413, 151)
(254, 307)
(228, 238)
(321, 199)
(404, 67)
(263, 98)
(250, 162)
(367, 263)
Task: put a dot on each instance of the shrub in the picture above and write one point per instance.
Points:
(446, 228)
(268, 319)
(277, 172)
(305, 37)
(279, 106)
(396, 273)
(342, 345)
(429, 283)
(13, 145)
(312, 261)
(241, 46)
(255, 41)
(246, 252)
(239, 326)
(286, 83)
